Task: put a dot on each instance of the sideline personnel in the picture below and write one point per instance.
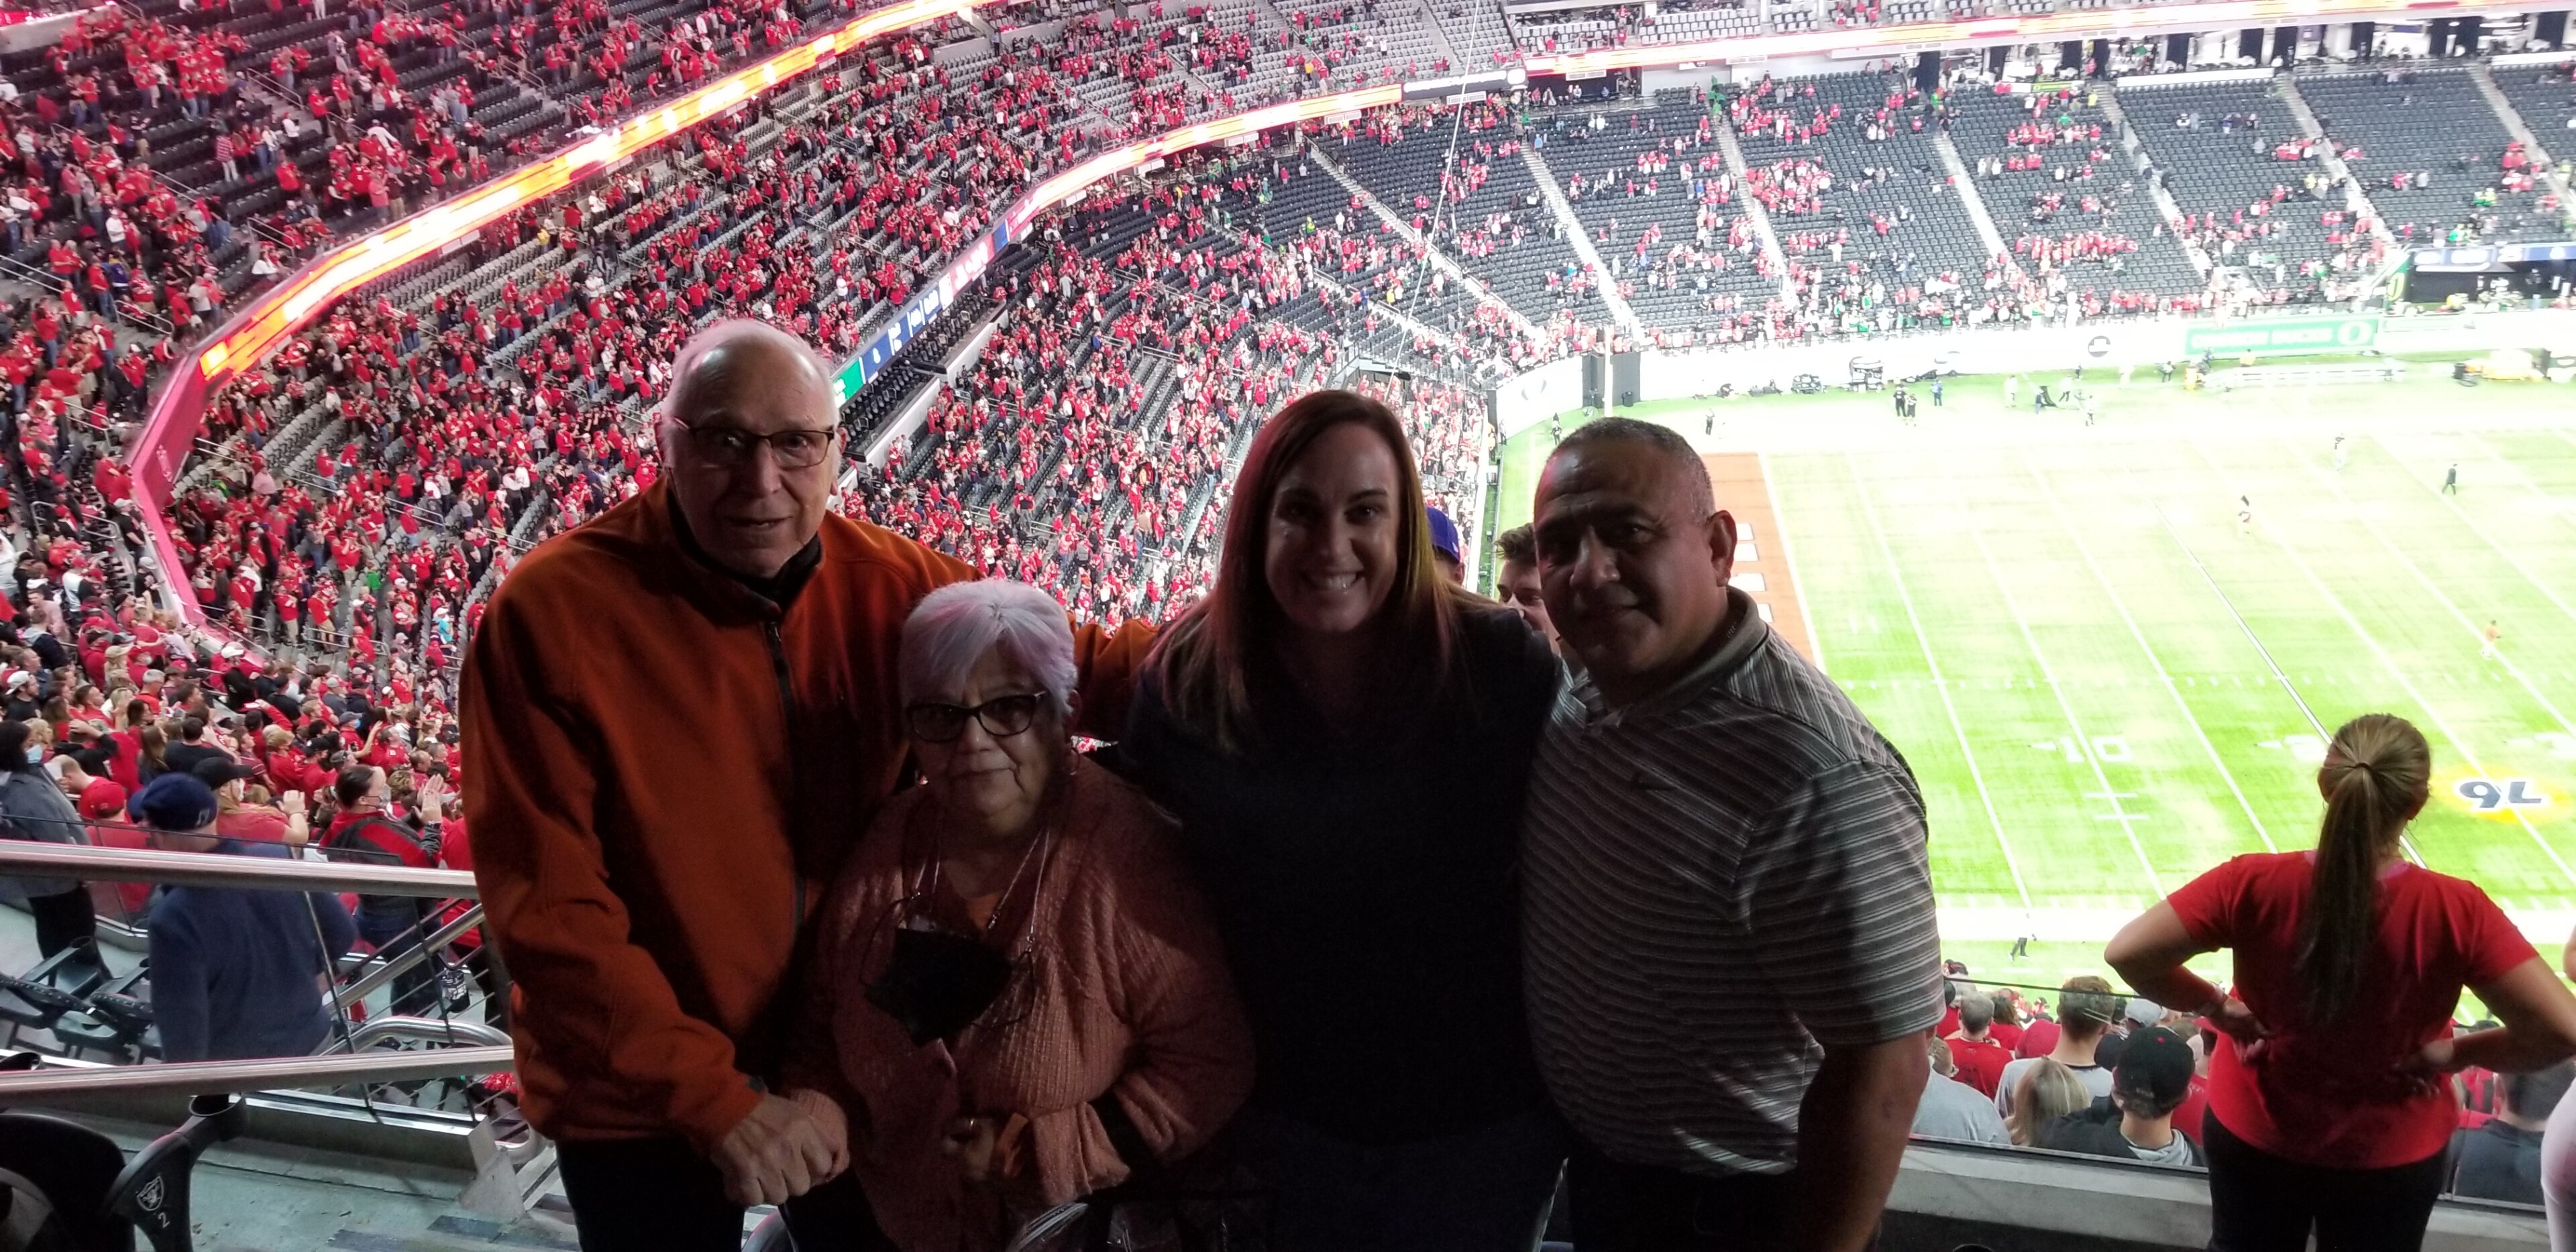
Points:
(677, 718)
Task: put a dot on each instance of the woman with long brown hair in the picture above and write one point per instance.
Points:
(2329, 1100)
(1344, 736)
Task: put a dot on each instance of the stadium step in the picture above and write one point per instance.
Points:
(2542, 159)
(454, 1233)
(1754, 210)
(1439, 259)
(2157, 193)
(1969, 198)
(2358, 199)
(1581, 239)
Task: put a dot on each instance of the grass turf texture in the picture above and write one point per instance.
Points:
(2106, 684)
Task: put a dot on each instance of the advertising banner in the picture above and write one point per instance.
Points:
(2288, 336)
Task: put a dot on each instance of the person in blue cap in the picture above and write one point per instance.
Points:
(1445, 546)
(233, 968)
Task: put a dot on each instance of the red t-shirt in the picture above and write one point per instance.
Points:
(1981, 1063)
(2194, 1107)
(2334, 1096)
(2007, 1034)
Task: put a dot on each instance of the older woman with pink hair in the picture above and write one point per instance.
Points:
(1016, 989)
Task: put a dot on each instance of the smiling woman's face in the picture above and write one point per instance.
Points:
(1329, 555)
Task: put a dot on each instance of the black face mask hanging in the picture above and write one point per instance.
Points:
(937, 983)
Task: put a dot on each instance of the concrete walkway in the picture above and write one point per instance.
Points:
(2547, 162)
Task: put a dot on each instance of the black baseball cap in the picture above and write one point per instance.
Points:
(217, 771)
(2155, 1067)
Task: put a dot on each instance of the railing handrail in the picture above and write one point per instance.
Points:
(377, 1030)
(381, 970)
(284, 1073)
(209, 869)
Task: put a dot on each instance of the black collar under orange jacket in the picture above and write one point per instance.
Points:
(662, 771)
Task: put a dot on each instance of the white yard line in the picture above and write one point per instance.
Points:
(2453, 504)
(1788, 557)
(2405, 843)
(2467, 625)
(1896, 576)
(2172, 688)
(2389, 663)
(2126, 821)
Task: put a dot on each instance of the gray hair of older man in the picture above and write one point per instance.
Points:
(953, 627)
(726, 333)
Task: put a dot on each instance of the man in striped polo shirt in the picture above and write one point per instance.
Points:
(1731, 960)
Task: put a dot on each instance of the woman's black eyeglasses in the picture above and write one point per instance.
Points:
(1003, 717)
(730, 446)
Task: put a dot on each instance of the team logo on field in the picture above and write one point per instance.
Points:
(2492, 795)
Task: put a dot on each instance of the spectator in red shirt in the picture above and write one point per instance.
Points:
(1980, 1059)
(101, 802)
(237, 818)
(2329, 1100)
(2006, 1029)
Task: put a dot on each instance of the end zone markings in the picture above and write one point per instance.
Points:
(1743, 486)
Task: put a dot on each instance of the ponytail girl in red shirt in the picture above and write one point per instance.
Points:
(2330, 1098)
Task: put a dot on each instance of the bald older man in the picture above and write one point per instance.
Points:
(677, 718)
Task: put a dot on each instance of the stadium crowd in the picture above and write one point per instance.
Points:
(2105, 1074)
(385, 469)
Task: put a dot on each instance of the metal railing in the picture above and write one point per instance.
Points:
(14, 271)
(405, 1028)
(351, 1059)
(193, 1078)
(209, 869)
(382, 970)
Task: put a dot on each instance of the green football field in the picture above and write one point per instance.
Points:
(2106, 683)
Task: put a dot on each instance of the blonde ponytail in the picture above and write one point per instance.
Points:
(2374, 779)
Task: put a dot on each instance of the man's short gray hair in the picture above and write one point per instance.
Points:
(953, 627)
(1666, 443)
(731, 331)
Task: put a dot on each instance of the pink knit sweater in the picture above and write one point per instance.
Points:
(1127, 992)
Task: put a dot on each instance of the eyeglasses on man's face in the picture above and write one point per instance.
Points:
(1002, 716)
(728, 447)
